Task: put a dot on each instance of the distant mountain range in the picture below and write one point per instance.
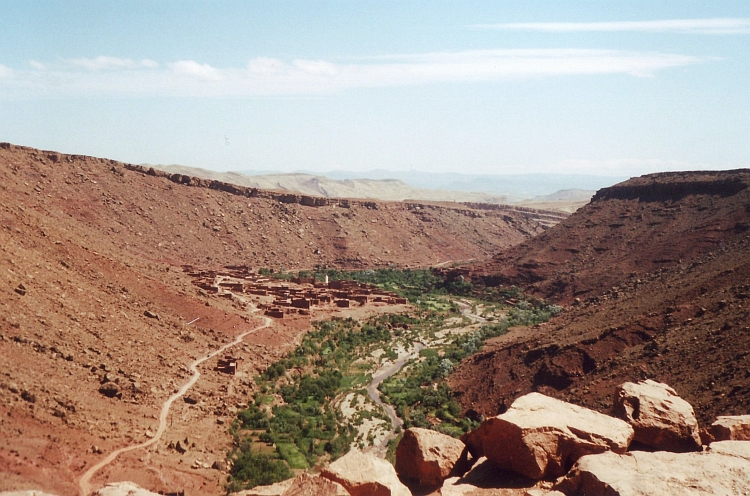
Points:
(524, 186)
(554, 191)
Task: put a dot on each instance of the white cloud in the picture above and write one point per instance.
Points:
(499, 64)
(104, 63)
(316, 67)
(196, 70)
(5, 72)
(723, 25)
(266, 76)
(264, 66)
(37, 65)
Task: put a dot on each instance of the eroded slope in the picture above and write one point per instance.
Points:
(637, 226)
(88, 246)
(661, 270)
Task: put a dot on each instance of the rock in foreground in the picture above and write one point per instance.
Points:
(276, 489)
(309, 485)
(427, 457)
(660, 418)
(731, 427)
(733, 448)
(365, 475)
(26, 492)
(485, 479)
(302, 485)
(123, 489)
(541, 437)
(661, 473)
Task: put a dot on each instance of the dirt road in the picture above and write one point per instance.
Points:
(378, 377)
(84, 483)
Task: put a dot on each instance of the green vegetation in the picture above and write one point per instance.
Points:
(254, 469)
(408, 283)
(305, 427)
(420, 393)
(296, 417)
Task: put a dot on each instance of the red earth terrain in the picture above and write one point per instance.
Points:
(98, 318)
(654, 278)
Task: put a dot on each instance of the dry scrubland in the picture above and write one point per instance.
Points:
(98, 318)
(88, 246)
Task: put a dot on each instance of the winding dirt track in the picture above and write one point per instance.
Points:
(378, 377)
(390, 369)
(84, 482)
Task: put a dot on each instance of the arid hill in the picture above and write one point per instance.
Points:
(308, 184)
(638, 226)
(158, 216)
(655, 277)
(98, 320)
(388, 189)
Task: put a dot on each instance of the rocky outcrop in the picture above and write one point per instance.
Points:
(733, 448)
(484, 479)
(123, 489)
(674, 185)
(547, 217)
(660, 473)
(731, 427)
(313, 485)
(29, 492)
(660, 418)
(427, 457)
(365, 475)
(541, 437)
(270, 490)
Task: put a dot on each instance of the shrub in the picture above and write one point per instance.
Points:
(255, 469)
(253, 418)
(459, 288)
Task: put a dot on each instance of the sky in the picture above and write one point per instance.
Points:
(578, 87)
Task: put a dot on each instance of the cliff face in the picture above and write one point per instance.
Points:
(654, 274)
(671, 186)
(545, 217)
(635, 227)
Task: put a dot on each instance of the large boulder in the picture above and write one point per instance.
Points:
(484, 479)
(276, 489)
(26, 492)
(541, 437)
(731, 428)
(732, 448)
(302, 485)
(660, 473)
(426, 457)
(312, 485)
(660, 418)
(124, 488)
(365, 475)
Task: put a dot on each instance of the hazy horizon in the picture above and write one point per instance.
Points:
(472, 87)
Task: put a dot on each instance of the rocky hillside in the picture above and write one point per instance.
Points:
(635, 227)
(650, 445)
(312, 185)
(174, 217)
(654, 276)
(99, 321)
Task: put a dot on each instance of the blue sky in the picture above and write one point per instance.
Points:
(592, 87)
